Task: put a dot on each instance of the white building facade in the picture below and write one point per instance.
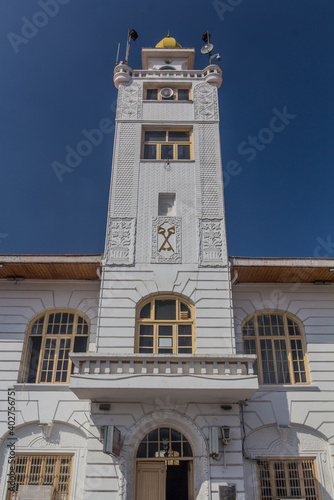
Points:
(214, 376)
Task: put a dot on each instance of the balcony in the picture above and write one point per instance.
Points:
(154, 377)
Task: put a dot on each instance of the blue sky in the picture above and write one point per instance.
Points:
(277, 60)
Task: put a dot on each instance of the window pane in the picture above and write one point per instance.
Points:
(175, 435)
(80, 344)
(187, 449)
(164, 433)
(153, 435)
(166, 151)
(184, 329)
(142, 450)
(150, 152)
(177, 136)
(146, 341)
(152, 94)
(185, 311)
(155, 135)
(165, 309)
(146, 329)
(37, 327)
(35, 347)
(145, 311)
(183, 94)
(183, 152)
(153, 450)
(166, 330)
(165, 342)
(185, 341)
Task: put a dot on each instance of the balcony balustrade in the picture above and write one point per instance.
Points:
(178, 378)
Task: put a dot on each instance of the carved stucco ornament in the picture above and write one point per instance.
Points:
(129, 102)
(166, 240)
(206, 102)
(212, 248)
(121, 241)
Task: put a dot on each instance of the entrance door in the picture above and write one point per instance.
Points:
(164, 480)
(151, 481)
(164, 466)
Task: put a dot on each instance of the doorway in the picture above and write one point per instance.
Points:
(164, 466)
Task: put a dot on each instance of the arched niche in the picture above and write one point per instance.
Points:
(284, 442)
(48, 438)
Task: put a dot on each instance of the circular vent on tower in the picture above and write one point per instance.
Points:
(166, 93)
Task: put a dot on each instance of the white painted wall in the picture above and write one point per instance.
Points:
(309, 407)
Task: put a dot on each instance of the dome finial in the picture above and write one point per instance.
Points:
(168, 43)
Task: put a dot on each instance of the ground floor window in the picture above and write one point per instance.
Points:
(43, 470)
(288, 478)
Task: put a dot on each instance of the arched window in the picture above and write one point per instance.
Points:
(165, 325)
(165, 443)
(278, 342)
(52, 336)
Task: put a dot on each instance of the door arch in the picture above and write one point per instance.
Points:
(164, 417)
(164, 466)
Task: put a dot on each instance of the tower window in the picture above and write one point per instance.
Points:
(165, 325)
(167, 145)
(166, 204)
(179, 94)
(51, 338)
(278, 342)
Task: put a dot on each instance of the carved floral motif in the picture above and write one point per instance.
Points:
(120, 242)
(212, 251)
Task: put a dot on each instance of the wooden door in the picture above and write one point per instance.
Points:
(151, 481)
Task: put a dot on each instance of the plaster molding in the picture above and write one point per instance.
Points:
(206, 102)
(129, 105)
(166, 240)
(212, 249)
(121, 241)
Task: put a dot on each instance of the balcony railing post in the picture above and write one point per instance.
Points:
(250, 368)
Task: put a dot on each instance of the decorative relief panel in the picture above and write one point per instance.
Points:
(210, 171)
(129, 106)
(120, 241)
(212, 248)
(166, 239)
(206, 102)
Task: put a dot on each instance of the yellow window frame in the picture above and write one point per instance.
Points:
(257, 338)
(166, 142)
(28, 472)
(168, 322)
(274, 476)
(45, 337)
(175, 90)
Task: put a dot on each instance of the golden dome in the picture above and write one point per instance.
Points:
(168, 43)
